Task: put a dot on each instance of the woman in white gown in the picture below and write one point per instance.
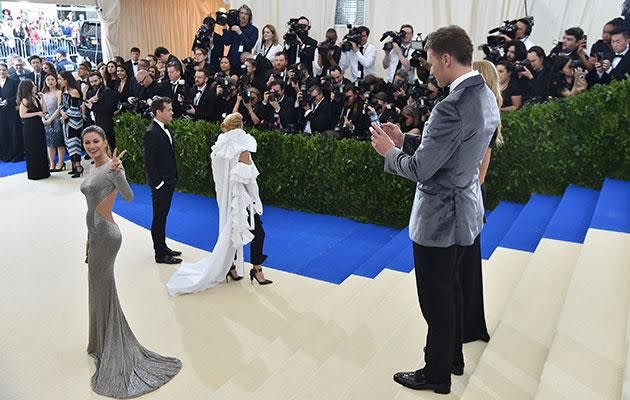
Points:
(240, 208)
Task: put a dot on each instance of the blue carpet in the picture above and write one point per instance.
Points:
(324, 247)
(499, 222)
(613, 208)
(404, 261)
(384, 257)
(8, 169)
(573, 215)
(528, 228)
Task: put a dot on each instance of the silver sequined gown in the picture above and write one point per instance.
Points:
(124, 369)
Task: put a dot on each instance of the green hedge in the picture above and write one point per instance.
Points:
(577, 140)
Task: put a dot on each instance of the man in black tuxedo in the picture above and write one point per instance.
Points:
(133, 63)
(303, 49)
(102, 102)
(177, 89)
(39, 77)
(319, 115)
(279, 109)
(616, 69)
(202, 99)
(161, 171)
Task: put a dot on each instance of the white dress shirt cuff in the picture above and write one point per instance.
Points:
(160, 185)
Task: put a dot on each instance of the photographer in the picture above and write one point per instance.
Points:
(256, 78)
(606, 70)
(354, 120)
(522, 32)
(249, 106)
(147, 89)
(602, 50)
(212, 42)
(327, 54)
(269, 45)
(338, 82)
(279, 110)
(319, 115)
(398, 52)
(201, 100)
(510, 88)
(226, 91)
(538, 77)
(162, 54)
(177, 89)
(514, 51)
(102, 102)
(241, 36)
(299, 46)
(573, 45)
(361, 57)
(386, 111)
(397, 90)
(567, 79)
(199, 63)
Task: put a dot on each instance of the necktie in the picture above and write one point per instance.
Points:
(361, 48)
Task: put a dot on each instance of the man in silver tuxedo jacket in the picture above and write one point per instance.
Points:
(447, 212)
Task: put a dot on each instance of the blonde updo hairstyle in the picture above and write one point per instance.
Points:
(232, 121)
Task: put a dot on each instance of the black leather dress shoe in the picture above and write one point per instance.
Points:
(417, 381)
(167, 259)
(173, 253)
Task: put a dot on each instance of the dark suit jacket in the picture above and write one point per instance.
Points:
(104, 108)
(26, 75)
(159, 157)
(323, 118)
(306, 54)
(42, 80)
(618, 73)
(9, 93)
(206, 109)
(288, 114)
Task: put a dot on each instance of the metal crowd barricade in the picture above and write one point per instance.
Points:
(45, 47)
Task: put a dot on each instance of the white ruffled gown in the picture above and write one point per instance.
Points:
(237, 193)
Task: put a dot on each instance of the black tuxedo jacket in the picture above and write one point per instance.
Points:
(9, 93)
(618, 73)
(206, 109)
(104, 108)
(288, 114)
(159, 157)
(323, 118)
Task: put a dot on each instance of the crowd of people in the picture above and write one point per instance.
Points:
(22, 27)
(291, 81)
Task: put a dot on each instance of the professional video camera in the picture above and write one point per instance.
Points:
(295, 30)
(395, 38)
(492, 49)
(353, 36)
(419, 53)
(229, 18)
(202, 37)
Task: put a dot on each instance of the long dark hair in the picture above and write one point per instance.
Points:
(25, 92)
(72, 83)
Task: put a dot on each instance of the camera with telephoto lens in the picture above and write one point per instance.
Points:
(244, 84)
(202, 37)
(274, 96)
(353, 36)
(297, 73)
(519, 66)
(324, 47)
(492, 49)
(229, 18)
(419, 54)
(395, 38)
(295, 30)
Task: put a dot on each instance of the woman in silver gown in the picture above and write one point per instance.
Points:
(124, 368)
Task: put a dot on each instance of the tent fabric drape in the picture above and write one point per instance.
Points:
(109, 14)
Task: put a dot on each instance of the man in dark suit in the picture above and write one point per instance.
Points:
(303, 50)
(202, 99)
(447, 213)
(102, 102)
(279, 110)
(616, 69)
(20, 72)
(147, 88)
(39, 77)
(162, 53)
(319, 114)
(161, 171)
(133, 63)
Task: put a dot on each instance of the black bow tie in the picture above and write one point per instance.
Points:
(617, 56)
(135, 63)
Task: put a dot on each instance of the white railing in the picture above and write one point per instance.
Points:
(45, 47)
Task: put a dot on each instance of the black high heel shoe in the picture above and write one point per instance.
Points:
(78, 173)
(232, 274)
(62, 168)
(252, 276)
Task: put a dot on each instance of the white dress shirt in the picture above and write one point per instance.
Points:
(394, 60)
(462, 78)
(352, 59)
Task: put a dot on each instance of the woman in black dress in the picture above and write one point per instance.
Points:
(510, 89)
(32, 115)
(11, 148)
